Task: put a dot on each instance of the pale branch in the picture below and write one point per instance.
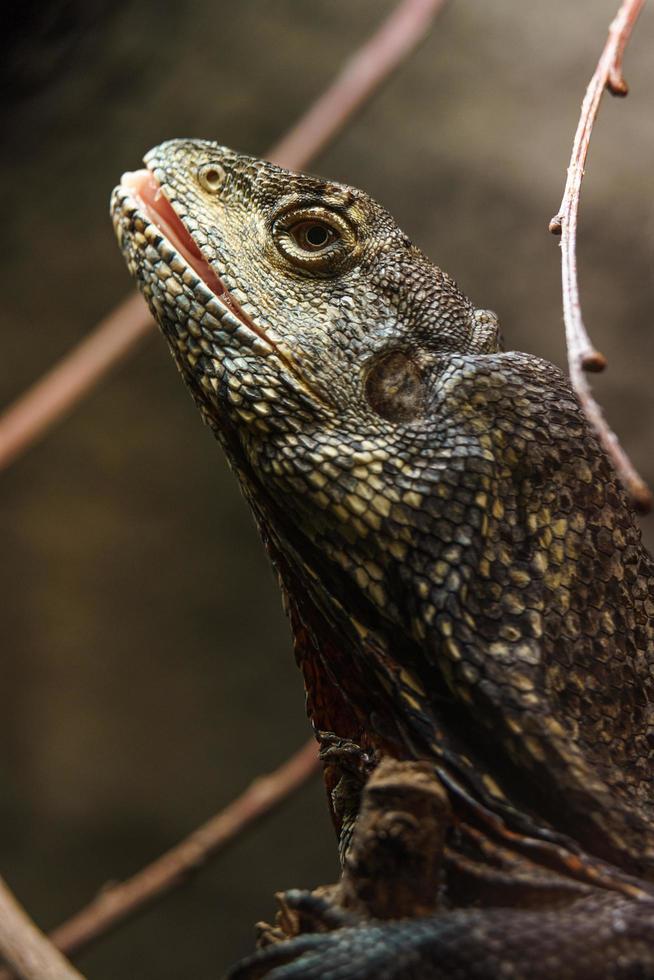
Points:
(360, 77)
(115, 904)
(77, 373)
(582, 355)
(24, 948)
(113, 339)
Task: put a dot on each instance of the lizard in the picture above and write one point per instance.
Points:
(464, 577)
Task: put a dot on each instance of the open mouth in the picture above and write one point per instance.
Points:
(145, 190)
(144, 187)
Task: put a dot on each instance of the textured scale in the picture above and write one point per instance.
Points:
(465, 580)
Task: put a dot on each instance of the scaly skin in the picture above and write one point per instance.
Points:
(465, 580)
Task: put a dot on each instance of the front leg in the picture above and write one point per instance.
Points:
(394, 865)
(392, 846)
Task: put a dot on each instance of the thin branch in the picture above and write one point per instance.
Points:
(113, 339)
(24, 947)
(370, 65)
(119, 902)
(72, 377)
(582, 355)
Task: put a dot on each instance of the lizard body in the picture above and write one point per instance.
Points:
(464, 577)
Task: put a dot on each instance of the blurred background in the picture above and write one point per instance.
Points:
(147, 672)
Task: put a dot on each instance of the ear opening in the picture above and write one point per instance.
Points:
(394, 387)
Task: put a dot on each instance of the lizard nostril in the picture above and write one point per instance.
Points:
(212, 177)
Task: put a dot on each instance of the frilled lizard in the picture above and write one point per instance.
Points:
(470, 600)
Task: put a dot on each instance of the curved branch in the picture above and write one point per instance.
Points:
(24, 422)
(122, 901)
(582, 355)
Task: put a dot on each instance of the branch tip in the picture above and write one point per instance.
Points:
(556, 225)
(617, 85)
(594, 362)
(641, 498)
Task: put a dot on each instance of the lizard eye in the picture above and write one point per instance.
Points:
(314, 238)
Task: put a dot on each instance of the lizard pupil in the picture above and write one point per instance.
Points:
(313, 235)
(317, 235)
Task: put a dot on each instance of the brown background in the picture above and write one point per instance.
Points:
(146, 671)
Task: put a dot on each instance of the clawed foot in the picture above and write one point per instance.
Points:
(303, 911)
(348, 756)
(304, 919)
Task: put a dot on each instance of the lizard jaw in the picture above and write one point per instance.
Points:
(144, 188)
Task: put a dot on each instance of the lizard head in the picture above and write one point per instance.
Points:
(311, 332)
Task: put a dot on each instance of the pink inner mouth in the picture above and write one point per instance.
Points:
(143, 185)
